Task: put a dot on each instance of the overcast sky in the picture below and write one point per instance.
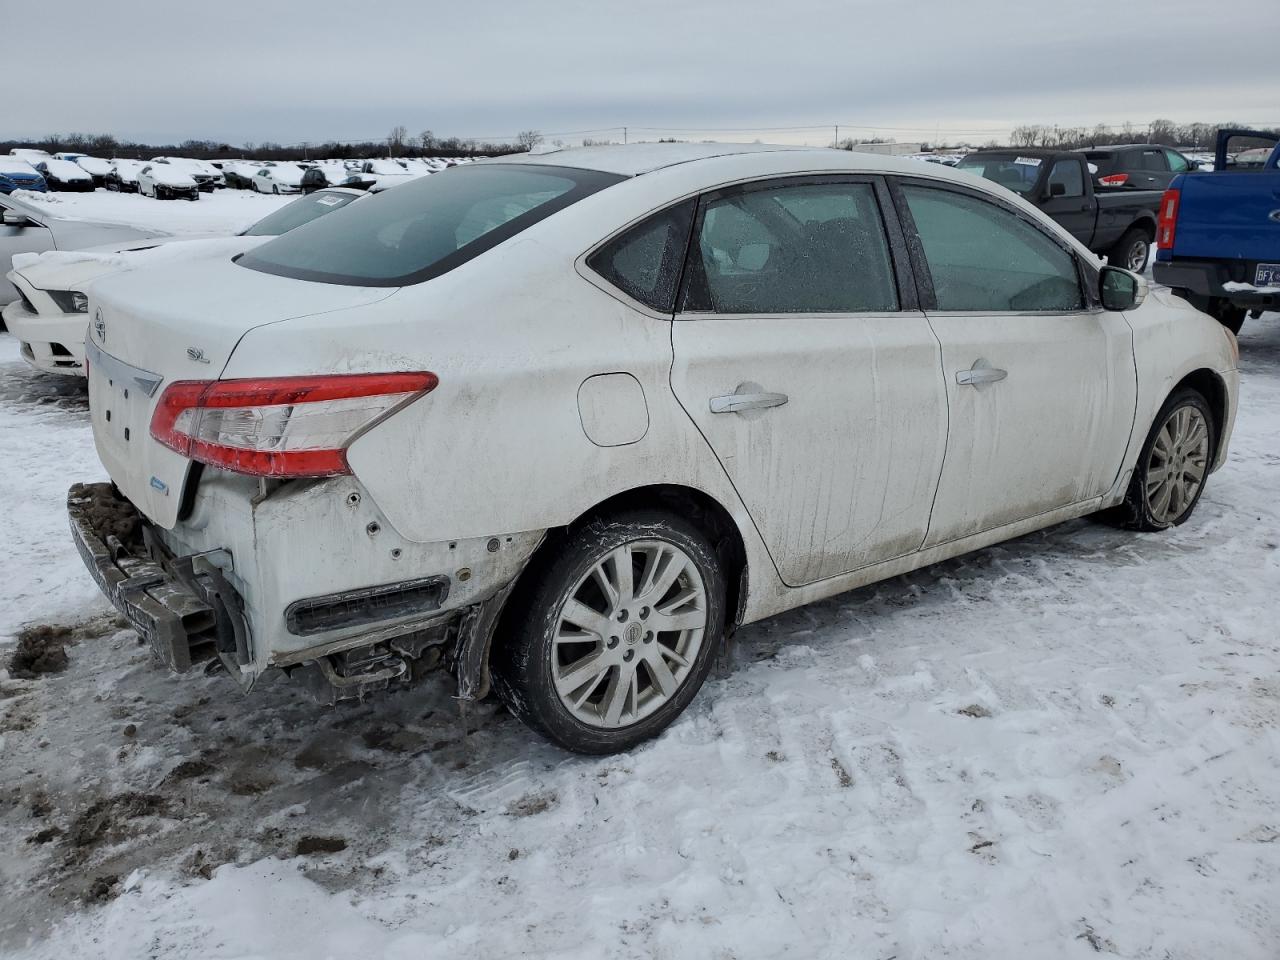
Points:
(158, 71)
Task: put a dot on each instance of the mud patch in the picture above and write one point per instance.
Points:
(309, 846)
(188, 770)
(106, 820)
(106, 514)
(975, 710)
(532, 804)
(40, 651)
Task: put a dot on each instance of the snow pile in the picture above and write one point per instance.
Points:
(1235, 286)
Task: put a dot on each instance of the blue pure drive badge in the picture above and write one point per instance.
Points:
(158, 484)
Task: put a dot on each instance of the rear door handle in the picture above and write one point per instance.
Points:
(750, 396)
(981, 372)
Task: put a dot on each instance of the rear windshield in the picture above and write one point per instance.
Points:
(303, 210)
(1018, 173)
(425, 227)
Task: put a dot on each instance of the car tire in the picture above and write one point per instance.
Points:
(1131, 251)
(612, 682)
(1155, 500)
(275, 189)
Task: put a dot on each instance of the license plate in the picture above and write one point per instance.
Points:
(1267, 275)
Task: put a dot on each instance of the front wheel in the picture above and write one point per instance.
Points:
(612, 640)
(1173, 465)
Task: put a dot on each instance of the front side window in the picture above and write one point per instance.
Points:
(1067, 173)
(792, 248)
(985, 258)
(1177, 162)
(425, 227)
(645, 261)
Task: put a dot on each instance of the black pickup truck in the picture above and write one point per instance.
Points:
(1116, 223)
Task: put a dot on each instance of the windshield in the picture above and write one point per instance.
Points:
(425, 227)
(303, 210)
(1017, 173)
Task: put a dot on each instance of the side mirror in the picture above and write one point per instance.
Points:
(12, 218)
(1121, 290)
(1056, 190)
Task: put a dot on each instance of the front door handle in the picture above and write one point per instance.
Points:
(748, 396)
(981, 372)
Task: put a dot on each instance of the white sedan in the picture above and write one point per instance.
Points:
(562, 422)
(278, 178)
(164, 181)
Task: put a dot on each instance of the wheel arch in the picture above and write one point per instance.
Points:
(1213, 388)
(708, 514)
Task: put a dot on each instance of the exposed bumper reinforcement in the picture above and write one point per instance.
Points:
(165, 612)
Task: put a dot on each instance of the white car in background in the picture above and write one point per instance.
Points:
(564, 421)
(51, 313)
(163, 181)
(30, 226)
(278, 178)
(206, 175)
(386, 173)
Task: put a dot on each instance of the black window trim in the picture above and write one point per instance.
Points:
(586, 183)
(899, 262)
(924, 279)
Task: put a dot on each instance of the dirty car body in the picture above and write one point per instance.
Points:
(762, 376)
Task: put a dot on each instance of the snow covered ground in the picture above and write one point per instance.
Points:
(1058, 747)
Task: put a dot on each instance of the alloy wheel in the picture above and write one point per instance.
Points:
(1137, 258)
(628, 633)
(1178, 463)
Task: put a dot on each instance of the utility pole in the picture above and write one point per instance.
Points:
(837, 136)
(624, 136)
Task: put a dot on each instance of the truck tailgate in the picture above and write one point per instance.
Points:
(1229, 216)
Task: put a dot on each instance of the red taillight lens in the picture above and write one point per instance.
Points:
(1115, 180)
(1167, 223)
(280, 426)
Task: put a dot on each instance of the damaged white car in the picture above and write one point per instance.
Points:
(561, 422)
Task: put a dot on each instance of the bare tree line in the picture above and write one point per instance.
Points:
(1164, 132)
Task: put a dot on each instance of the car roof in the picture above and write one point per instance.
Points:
(1125, 147)
(631, 160)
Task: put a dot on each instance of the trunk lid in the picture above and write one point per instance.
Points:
(149, 328)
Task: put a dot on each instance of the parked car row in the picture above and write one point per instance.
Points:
(563, 422)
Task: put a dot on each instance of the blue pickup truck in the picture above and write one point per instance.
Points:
(1218, 234)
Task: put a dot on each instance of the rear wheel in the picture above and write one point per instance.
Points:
(612, 640)
(1173, 465)
(1131, 250)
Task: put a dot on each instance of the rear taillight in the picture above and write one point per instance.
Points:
(1114, 180)
(280, 426)
(1167, 223)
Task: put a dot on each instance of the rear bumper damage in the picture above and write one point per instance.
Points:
(173, 614)
(194, 603)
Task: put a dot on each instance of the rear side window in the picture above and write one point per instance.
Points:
(985, 258)
(792, 248)
(645, 261)
(426, 227)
